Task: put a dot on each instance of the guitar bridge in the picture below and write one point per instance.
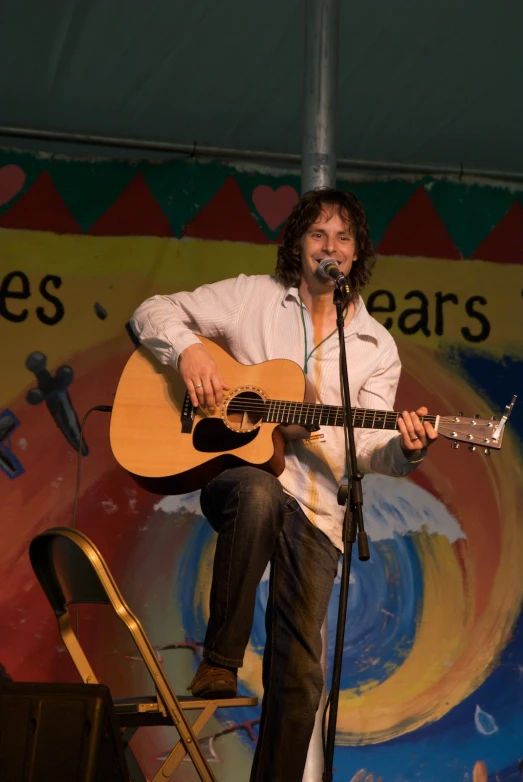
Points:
(187, 415)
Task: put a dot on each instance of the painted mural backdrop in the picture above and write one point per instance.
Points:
(433, 667)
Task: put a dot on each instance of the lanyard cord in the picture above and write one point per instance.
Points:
(307, 356)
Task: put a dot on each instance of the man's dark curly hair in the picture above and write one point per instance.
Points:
(304, 214)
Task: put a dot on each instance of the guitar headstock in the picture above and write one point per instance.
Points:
(476, 432)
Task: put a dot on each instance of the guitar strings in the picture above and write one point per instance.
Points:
(310, 410)
(305, 409)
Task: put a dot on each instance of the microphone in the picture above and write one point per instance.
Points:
(329, 269)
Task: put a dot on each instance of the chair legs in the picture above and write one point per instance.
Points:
(178, 753)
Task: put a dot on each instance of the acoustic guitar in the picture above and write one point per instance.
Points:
(172, 448)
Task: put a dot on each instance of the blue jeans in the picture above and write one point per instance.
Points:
(257, 523)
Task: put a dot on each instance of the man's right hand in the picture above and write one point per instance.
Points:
(201, 376)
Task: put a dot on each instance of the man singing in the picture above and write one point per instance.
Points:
(292, 521)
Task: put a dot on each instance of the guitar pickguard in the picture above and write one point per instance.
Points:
(211, 435)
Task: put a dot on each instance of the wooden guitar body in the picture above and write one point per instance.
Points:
(147, 434)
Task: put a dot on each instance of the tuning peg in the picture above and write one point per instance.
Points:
(477, 415)
(471, 448)
(487, 451)
(454, 445)
(460, 413)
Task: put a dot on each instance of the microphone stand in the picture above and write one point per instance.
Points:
(352, 497)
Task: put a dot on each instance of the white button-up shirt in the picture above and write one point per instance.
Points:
(258, 319)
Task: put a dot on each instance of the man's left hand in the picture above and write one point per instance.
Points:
(415, 435)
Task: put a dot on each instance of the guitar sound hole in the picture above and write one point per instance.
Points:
(212, 436)
(245, 410)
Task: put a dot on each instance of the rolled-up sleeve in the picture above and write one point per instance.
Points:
(167, 325)
(380, 450)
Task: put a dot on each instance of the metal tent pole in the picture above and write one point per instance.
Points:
(318, 162)
(318, 169)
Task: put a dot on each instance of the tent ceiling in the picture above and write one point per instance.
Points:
(426, 83)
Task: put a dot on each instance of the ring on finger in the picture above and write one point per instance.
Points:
(200, 385)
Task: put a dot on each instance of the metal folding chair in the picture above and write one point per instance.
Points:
(71, 570)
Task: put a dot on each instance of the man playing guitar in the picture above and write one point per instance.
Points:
(292, 521)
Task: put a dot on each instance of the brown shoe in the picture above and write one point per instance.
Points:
(211, 682)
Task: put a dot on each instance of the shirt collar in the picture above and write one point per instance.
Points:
(289, 294)
(362, 323)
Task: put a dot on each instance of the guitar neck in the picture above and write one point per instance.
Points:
(305, 414)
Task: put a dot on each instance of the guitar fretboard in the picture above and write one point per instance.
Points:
(305, 414)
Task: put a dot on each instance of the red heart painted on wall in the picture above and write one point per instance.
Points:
(12, 180)
(274, 205)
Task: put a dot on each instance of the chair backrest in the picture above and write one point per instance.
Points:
(65, 562)
(71, 570)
